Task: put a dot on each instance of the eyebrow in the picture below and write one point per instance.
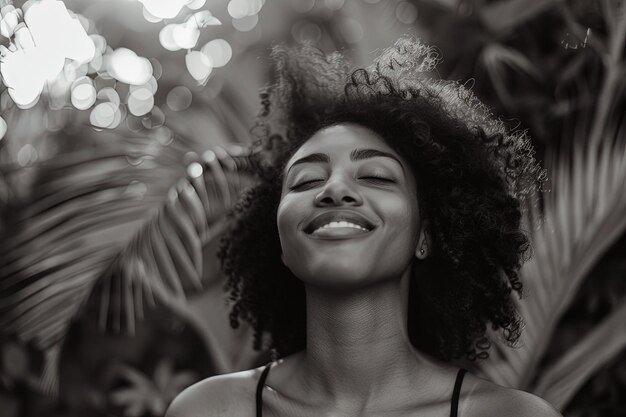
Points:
(355, 155)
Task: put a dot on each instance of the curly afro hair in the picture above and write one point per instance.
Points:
(474, 176)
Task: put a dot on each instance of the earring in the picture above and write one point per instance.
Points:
(422, 251)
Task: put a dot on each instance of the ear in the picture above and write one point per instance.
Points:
(424, 245)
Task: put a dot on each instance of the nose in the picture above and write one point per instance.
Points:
(338, 191)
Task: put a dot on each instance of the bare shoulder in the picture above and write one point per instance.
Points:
(221, 395)
(481, 398)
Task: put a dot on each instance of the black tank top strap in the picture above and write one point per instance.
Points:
(454, 407)
(259, 390)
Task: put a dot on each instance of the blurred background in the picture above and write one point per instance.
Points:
(123, 135)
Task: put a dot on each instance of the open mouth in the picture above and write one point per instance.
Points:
(339, 224)
(341, 227)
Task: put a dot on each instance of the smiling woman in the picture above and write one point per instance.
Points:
(381, 240)
(351, 220)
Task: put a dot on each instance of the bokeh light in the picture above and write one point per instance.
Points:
(27, 155)
(186, 35)
(23, 75)
(83, 94)
(304, 31)
(95, 65)
(124, 65)
(194, 170)
(52, 27)
(406, 12)
(150, 85)
(164, 9)
(190, 157)
(199, 65)
(163, 135)
(238, 9)
(29, 68)
(351, 30)
(150, 17)
(22, 37)
(103, 115)
(195, 4)
(10, 19)
(202, 19)
(246, 24)
(155, 118)
(136, 189)
(109, 111)
(140, 101)
(104, 80)
(219, 52)
(157, 68)
(256, 6)
(166, 38)
(175, 36)
(179, 98)
(209, 156)
(109, 94)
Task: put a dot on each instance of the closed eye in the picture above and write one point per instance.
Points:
(370, 178)
(304, 183)
(375, 179)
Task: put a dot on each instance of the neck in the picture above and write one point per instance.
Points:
(357, 342)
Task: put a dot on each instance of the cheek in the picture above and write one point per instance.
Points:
(402, 221)
(287, 219)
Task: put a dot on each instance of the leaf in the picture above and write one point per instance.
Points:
(504, 16)
(583, 216)
(496, 57)
(562, 379)
(150, 396)
(141, 397)
(87, 228)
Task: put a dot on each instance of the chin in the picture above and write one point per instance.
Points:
(338, 275)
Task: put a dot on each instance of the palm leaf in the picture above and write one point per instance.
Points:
(98, 216)
(583, 216)
(504, 16)
(496, 58)
(563, 379)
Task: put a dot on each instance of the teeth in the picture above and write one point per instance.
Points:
(341, 224)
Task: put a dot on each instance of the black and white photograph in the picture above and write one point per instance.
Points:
(312, 208)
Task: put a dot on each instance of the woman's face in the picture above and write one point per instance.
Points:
(348, 213)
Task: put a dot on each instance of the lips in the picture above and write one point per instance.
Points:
(337, 216)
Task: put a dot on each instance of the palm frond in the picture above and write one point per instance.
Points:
(562, 379)
(503, 16)
(583, 216)
(99, 216)
(496, 58)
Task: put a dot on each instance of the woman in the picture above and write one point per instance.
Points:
(381, 240)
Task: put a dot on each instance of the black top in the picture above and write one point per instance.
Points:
(454, 406)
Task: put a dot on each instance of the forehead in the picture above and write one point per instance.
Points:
(341, 139)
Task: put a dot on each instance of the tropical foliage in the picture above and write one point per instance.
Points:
(118, 228)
